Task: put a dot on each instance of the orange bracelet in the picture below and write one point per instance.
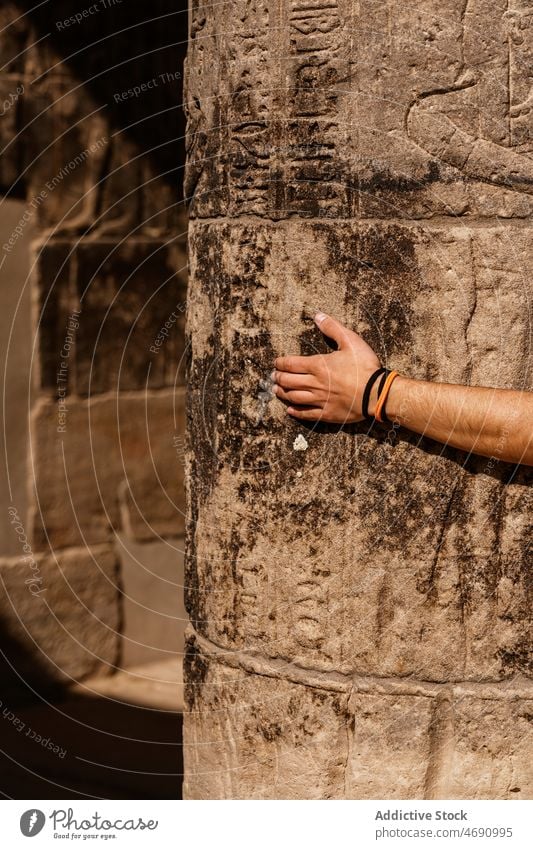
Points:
(383, 396)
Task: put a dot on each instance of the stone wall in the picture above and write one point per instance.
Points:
(360, 610)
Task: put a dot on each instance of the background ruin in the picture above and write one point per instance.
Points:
(94, 268)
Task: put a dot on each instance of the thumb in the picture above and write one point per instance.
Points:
(333, 328)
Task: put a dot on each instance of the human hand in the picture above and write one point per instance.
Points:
(327, 387)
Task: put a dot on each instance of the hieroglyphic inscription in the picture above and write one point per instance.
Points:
(318, 51)
(248, 107)
(520, 44)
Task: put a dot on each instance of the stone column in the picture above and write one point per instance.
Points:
(359, 609)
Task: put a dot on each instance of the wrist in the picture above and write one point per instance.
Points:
(396, 398)
(397, 403)
(372, 401)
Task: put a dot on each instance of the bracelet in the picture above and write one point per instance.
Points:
(381, 384)
(368, 388)
(379, 414)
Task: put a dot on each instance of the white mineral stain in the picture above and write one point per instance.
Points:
(300, 443)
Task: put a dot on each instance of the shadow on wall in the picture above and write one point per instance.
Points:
(79, 742)
(127, 56)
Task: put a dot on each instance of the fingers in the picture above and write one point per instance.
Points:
(333, 328)
(345, 337)
(288, 380)
(310, 414)
(298, 365)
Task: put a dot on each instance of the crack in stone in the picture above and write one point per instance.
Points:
(441, 745)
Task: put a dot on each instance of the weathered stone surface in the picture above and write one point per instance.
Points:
(110, 315)
(268, 738)
(255, 729)
(383, 111)
(389, 746)
(11, 91)
(13, 37)
(372, 161)
(115, 454)
(418, 552)
(56, 316)
(133, 312)
(61, 614)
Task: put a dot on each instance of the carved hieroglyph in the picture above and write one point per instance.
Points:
(361, 610)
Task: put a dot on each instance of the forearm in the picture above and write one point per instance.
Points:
(492, 422)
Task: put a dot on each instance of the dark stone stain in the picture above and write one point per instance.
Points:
(312, 341)
(195, 671)
(270, 730)
(517, 659)
(382, 280)
(384, 180)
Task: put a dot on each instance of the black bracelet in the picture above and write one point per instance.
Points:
(368, 389)
(382, 382)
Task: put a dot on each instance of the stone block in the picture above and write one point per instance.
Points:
(12, 89)
(268, 738)
(66, 182)
(133, 302)
(56, 315)
(113, 461)
(110, 315)
(275, 730)
(60, 616)
(390, 746)
(491, 753)
(154, 618)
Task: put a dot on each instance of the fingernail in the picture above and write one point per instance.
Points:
(320, 316)
(273, 375)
